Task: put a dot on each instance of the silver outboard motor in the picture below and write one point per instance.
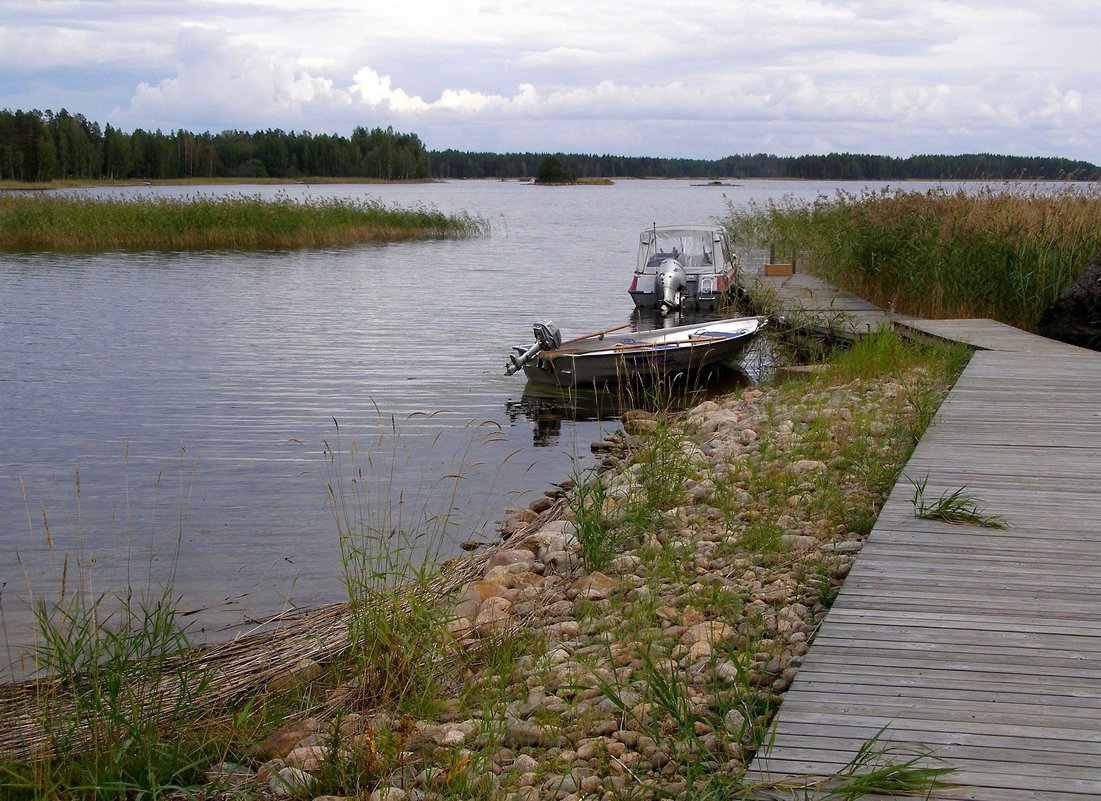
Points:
(671, 285)
(547, 337)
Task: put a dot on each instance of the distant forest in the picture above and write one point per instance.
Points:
(38, 146)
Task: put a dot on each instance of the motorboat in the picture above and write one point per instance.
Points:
(683, 267)
(604, 357)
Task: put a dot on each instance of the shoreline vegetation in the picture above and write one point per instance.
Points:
(71, 223)
(1005, 254)
(631, 637)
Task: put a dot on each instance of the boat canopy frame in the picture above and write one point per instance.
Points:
(698, 248)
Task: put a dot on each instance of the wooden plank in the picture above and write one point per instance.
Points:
(902, 660)
(984, 643)
(934, 684)
(1012, 762)
(994, 784)
(931, 736)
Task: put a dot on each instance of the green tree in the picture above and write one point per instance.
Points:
(551, 171)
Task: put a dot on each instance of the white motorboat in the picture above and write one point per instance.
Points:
(683, 267)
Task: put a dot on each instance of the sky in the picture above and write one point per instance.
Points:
(692, 78)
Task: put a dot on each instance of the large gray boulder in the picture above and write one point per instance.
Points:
(1076, 316)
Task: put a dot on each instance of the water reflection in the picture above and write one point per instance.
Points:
(547, 406)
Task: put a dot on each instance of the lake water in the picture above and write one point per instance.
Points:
(165, 417)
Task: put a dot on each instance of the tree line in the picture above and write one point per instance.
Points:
(42, 146)
(831, 167)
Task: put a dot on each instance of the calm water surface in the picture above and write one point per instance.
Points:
(166, 416)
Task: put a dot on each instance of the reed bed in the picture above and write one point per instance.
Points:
(1004, 253)
(227, 671)
(80, 224)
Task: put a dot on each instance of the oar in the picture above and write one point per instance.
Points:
(621, 347)
(597, 333)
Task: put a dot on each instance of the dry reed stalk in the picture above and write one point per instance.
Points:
(235, 669)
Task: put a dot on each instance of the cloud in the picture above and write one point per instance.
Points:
(705, 79)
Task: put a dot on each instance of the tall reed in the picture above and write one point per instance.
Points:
(999, 252)
(394, 531)
(78, 223)
(110, 681)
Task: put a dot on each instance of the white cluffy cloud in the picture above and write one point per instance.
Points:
(704, 80)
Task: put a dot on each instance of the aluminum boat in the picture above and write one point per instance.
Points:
(607, 358)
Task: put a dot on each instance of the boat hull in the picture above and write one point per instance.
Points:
(647, 355)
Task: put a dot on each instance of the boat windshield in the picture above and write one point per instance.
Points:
(693, 248)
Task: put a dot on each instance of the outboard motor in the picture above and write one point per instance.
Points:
(547, 337)
(671, 285)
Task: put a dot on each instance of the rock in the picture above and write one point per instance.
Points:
(447, 735)
(558, 535)
(559, 562)
(303, 671)
(289, 782)
(1076, 316)
(523, 735)
(637, 424)
(716, 421)
(389, 794)
(808, 466)
(710, 632)
(734, 723)
(522, 516)
(542, 504)
(510, 556)
(727, 671)
(494, 618)
(847, 546)
(473, 595)
(460, 627)
(798, 542)
(698, 651)
(560, 632)
(594, 587)
(308, 757)
(280, 742)
(799, 372)
(478, 591)
(515, 576)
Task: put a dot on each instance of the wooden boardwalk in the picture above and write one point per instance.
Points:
(983, 645)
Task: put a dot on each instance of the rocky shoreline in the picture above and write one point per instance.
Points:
(658, 673)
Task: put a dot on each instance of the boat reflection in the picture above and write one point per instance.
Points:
(650, 319)
(547, 406)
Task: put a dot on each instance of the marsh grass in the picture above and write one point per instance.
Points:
(1004, 253)
(956, 506)
(877, 769)
(394, 534)
(109, 682)
(655, 487)
(79, 223)
(600, 540)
